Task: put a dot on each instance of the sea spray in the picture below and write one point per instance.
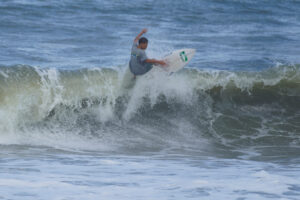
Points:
(188, 108)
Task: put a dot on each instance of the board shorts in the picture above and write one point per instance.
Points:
(140, 69)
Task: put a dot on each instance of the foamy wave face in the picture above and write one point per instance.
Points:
(92, 109)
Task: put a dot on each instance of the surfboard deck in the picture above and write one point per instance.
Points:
(176, 60)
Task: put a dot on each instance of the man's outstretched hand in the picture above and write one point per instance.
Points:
(162, 63)
(144, 31)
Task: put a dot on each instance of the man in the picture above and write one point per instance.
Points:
(139, 62)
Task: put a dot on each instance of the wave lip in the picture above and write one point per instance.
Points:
(88, 107)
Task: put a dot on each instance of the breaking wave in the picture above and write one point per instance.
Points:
(93, 109)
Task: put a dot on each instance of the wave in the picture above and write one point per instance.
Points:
(92, 108)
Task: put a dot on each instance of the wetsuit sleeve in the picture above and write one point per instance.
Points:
(143, 56)
(135, 44)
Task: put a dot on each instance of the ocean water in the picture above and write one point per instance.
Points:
(227, 126)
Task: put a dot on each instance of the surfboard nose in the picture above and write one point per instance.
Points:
(193, 51)
(190, 52)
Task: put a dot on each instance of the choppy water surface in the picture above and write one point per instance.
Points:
(225, 127)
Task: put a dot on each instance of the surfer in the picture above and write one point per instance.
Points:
(139, 63)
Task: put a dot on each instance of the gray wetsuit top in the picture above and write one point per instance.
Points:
(137, 63)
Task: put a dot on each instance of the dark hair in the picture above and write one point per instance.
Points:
(143, 40)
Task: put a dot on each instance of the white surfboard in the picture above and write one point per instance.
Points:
(178, 59)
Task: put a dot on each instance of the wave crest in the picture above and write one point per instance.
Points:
(229, 107)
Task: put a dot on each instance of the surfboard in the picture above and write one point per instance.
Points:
(176, 60)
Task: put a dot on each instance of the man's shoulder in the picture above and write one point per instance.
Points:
(134, 46)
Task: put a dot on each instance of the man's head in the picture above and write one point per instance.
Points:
(143, 43)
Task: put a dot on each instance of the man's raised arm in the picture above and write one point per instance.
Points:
(140, 34)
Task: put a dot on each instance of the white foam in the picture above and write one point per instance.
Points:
(59, 94)
(31, 184)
